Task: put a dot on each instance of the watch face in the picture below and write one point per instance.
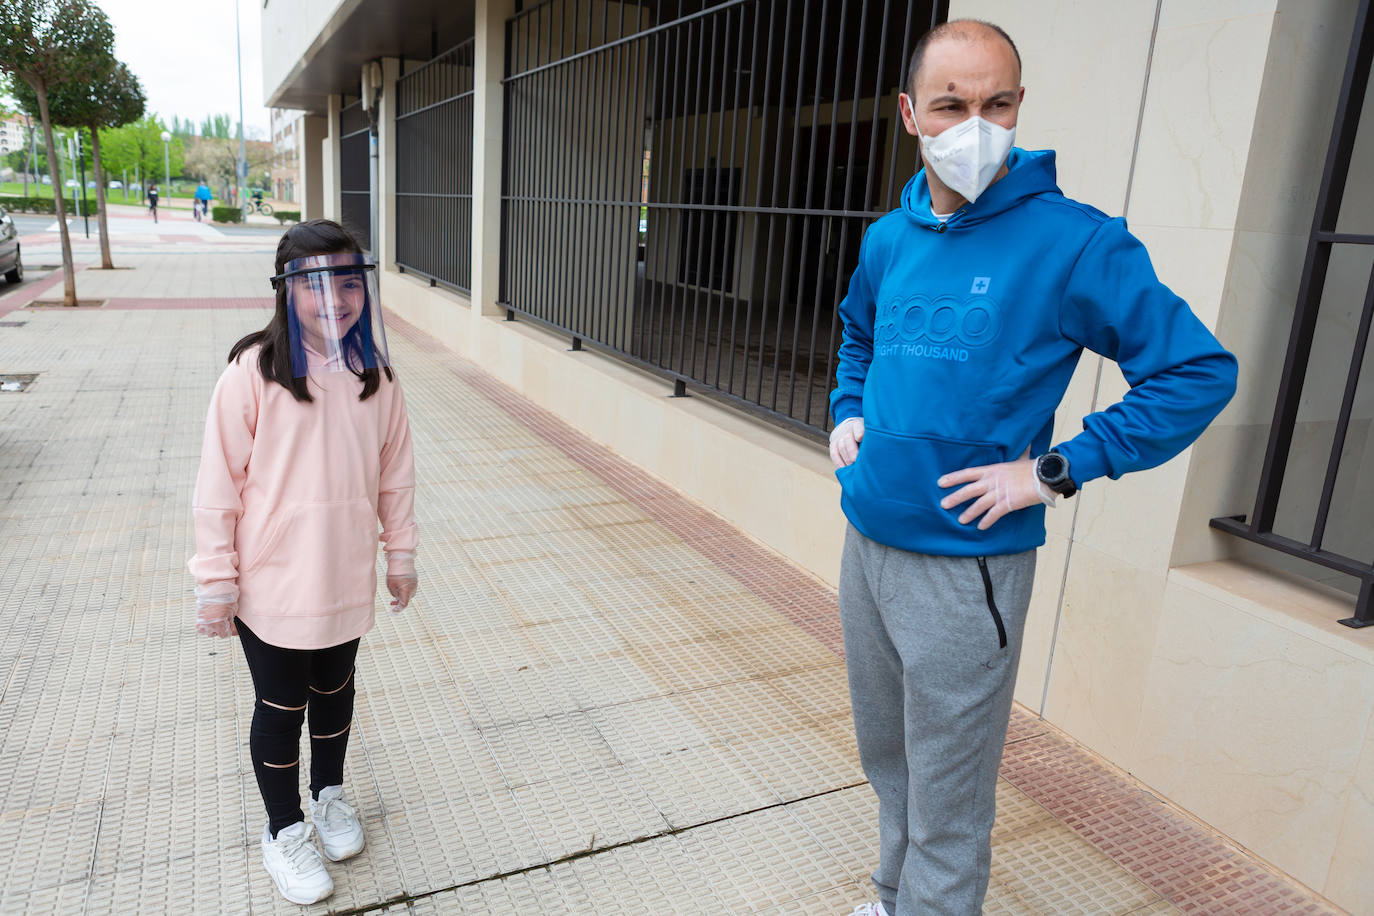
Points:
(1051, 467)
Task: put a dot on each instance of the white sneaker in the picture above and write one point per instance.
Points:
(294, 864)
(341, 833)
(869, 909)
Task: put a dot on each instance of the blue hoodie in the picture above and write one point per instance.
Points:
(960, 339)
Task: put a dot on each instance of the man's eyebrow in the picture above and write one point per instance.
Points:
(941, 99)
(996, 96)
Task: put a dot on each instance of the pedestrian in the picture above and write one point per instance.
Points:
(963, 323)
(152, 199)
(201, 205)
(307, 446)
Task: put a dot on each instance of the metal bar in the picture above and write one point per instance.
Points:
(1352, 381)
(744, 191)
(1345, 238)
(787, 236)
(720, 171)
(707, 208)
(735, 262)
(824, 228)
(1237, 526)
(438, 104)
(897, 134)
(877, 114)
(649, 31)
(773, 199)
(1334, 173)
(434, 280)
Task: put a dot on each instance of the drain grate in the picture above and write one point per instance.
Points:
(16, 381)
(12, 324)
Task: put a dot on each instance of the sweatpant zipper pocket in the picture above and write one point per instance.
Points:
(992, 603)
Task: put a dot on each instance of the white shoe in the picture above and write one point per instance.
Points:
(341, 833)
(869, 909)
(294, 864)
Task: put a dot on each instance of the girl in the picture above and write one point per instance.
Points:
(306, 446)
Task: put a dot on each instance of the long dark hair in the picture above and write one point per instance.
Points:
(312, 237)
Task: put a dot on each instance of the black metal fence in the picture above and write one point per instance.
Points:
(355, 180)
(434, 169)
(1312, 485)
(686, 182)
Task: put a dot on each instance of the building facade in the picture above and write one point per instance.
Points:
(287, 127)
(13, 134)
(642, 215)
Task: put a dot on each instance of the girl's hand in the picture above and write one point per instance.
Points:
(216, 609)
(216, 619)
(402, 588)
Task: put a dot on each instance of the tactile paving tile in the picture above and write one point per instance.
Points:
(197, 817)
(538, 750)
(417, 712)
(218, 881)
(657, 876)
(42, 780)
(801, 764)
(59, 898)
(762, 859)
(846, 824)
(1055, 870)
(647, 728)
(588, 810)
(700, 784)
(47, 847)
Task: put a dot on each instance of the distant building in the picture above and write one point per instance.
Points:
(13, 134)
(287, 133)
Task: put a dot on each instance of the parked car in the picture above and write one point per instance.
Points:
(116, 185)
(10, 262)
(47, 179)
(70, 183)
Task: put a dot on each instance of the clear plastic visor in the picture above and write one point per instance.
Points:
(334, 317)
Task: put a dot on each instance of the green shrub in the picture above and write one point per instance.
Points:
(287, 216)
(43, 205)
(226, 214)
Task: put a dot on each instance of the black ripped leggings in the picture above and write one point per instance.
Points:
(287, 683)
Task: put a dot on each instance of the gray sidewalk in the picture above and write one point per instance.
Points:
(603, 700)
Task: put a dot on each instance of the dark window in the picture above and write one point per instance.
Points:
(753, 141)
(355, 177)
(434, 169)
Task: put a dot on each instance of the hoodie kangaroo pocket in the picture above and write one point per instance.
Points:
(892, 486)
(319, 559)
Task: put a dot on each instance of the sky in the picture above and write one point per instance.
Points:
(183, 52)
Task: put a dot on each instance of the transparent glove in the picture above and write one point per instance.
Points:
(844, 441)
(401, 579)
(997, 490)
(216, 607)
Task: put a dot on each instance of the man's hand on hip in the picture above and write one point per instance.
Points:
(999, 490)
(844, 441)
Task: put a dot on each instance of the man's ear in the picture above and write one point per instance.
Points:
(907, 106)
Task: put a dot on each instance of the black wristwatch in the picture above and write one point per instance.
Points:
(1052, 469)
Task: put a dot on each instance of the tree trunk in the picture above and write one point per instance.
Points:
(55, 169)
(105, 262)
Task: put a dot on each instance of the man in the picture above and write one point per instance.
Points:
(201, 205)
(963, 324)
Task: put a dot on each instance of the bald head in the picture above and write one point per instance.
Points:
(967, 31)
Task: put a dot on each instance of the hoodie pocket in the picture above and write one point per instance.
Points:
(892, 486)
(319, 558)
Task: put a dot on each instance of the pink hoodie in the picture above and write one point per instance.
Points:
(288, 498)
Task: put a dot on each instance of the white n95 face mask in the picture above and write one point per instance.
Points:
(968, 156)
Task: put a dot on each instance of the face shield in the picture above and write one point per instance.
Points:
(333, 314)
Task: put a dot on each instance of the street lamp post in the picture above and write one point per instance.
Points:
(243, 156)
(167, 166)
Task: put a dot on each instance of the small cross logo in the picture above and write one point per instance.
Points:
(980, 284)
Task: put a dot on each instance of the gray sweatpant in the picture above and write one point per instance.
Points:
(931, 672)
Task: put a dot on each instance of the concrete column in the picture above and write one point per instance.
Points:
(333, 199)
(314, 130)
(385, 243)
(488, 68)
